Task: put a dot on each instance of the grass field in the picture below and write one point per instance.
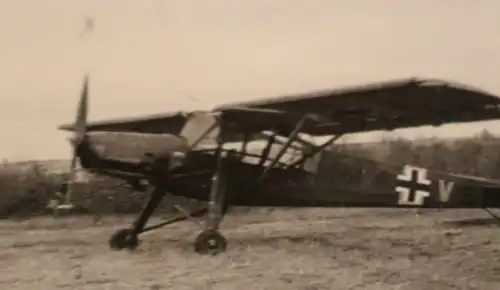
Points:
(299, 249)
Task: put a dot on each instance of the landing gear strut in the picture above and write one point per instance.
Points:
(211, 241)
(128, 238)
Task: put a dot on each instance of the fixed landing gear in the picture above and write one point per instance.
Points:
(128, 238)
(123, 239)
(210, 242)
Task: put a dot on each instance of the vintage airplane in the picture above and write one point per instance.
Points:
(186, 154)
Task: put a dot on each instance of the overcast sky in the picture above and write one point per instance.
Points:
(152, 56)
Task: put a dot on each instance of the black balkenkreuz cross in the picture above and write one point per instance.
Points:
(413, 186)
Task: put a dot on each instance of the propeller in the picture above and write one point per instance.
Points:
(79, 131)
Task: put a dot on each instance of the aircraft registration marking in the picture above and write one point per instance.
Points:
(445, 189)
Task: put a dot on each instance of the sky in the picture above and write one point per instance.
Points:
(156, 56)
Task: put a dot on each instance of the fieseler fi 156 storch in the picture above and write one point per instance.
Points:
(173, 156)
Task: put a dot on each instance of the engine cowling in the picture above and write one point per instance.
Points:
(134, 147)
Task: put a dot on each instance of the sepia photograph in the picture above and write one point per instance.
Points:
(284, 144)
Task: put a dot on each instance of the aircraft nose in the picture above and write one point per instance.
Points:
(97, 141)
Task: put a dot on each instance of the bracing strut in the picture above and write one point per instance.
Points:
(315, 151)
(300, 125)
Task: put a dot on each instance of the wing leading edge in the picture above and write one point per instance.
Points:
(160, 123)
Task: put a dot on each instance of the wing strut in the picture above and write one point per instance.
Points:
(265, 152)
(315, 151)
(300, 125)
(244, 146)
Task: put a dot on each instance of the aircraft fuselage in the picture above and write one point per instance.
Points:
(340, 180)
(346, 181)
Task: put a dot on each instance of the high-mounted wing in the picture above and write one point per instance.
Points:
(382, 106)
(171, 123)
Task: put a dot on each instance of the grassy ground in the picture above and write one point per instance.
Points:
(300, 249)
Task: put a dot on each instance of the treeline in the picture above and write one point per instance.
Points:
(27, 193)
(479, 155)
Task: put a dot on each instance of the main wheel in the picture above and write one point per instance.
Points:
(123, 239)
(210, 242)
